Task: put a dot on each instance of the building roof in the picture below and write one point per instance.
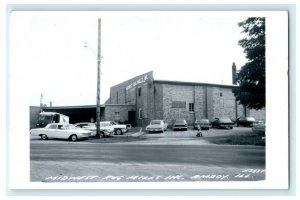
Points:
(72, 107)
(193, 83)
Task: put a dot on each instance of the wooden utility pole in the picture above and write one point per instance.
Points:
(98, 109)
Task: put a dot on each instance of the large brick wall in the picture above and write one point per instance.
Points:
(223, 102)
(173, 93)
(111, 110)
(125, 92)
(157, 100)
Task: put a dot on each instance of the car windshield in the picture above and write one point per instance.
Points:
(104, 124)
(155, 122)
(180, 121)
(204, 121)
(225, 120)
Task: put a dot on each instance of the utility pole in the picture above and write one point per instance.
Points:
(98, 109)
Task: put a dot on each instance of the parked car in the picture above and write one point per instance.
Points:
(61, 131)
(203, 123)
(245, 121)
(157, 125)
(180, 124)
(259, 127)
(105, 128)
(119, 129)
(87, 126)
(223, 122)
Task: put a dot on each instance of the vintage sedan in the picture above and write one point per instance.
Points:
(245, 121)
(180, 124)
(106, 129)
(157, 125)
(203, 123)
(223, 122)
(61, 131)
(87, 126)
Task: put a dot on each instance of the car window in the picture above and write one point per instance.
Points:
(225, 120)
(155, 122)
(105, 124)
(60, 127)
(204, 121)
(52, 126)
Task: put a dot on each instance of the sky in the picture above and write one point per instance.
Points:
(48, 54)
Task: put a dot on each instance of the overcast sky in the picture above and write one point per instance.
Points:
(47, 54)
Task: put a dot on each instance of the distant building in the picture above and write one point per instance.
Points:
(169, 100)
(141, 99)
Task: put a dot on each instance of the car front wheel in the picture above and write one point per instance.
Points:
(119, 132)
(73, 138)
(44, 137)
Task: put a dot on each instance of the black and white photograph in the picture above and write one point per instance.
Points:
(146, 98)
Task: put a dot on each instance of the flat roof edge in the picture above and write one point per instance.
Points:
(193, 83)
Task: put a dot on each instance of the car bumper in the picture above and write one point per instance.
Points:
(154, 129)
(226, 126)
(180, 128)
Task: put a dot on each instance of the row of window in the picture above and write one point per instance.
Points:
(182, 104)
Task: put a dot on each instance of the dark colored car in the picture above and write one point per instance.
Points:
(245, 121)
(203, 123)
(180, 124)
(223, 122)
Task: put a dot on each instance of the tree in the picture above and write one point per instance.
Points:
(251, 78)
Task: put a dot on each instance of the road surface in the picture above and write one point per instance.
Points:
(107, 162)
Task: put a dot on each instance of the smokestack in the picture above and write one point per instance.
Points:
(50, 103)
(41, 100)
(234, 74)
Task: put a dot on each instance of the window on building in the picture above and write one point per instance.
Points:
(139, 91)
(117, 116)
(178, 104)
(140, 113)
(191, 107)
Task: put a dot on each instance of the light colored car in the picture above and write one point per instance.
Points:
(119, 129)
(105, 128)
(157, 125)
(259, 127)
(61, 131)
(87, 126)
(203, 123)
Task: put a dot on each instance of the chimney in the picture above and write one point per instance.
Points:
(234, 74)
(50, 103)
(41, 100)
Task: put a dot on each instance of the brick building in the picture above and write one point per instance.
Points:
(149, 99)
(141, 99)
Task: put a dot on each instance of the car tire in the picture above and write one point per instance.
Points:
(44, 137)
(118, 132)
(101, 135)
(73, 138)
